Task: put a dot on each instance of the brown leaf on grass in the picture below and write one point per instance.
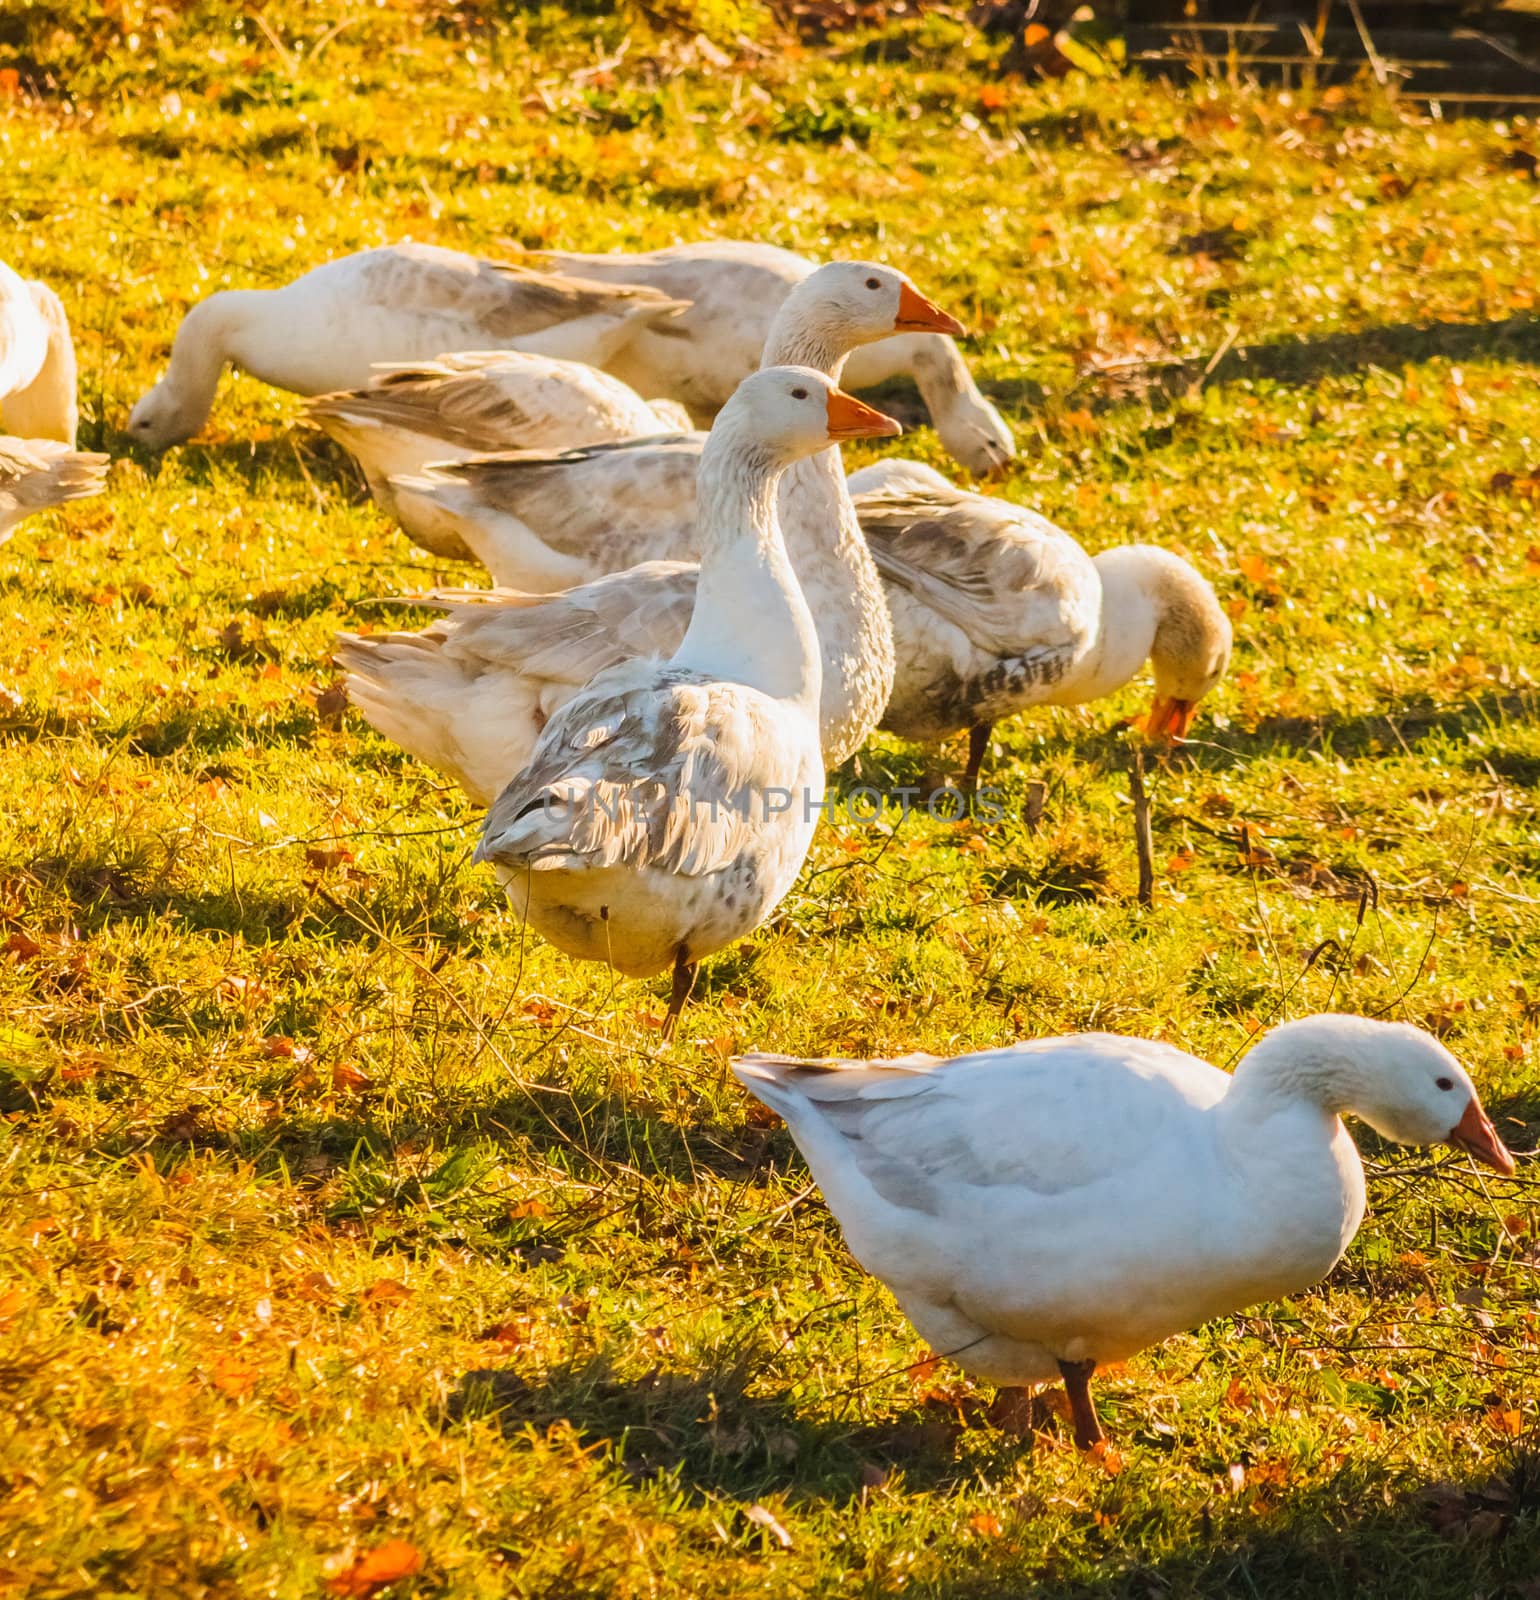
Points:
(1482, 1512)
(318, 1287)
(349, 1078)
(23, 946)
(387, 1292)
(325, 860)
(330, 703)
(1108, 1459)
(985, 1525)
(386, 1563)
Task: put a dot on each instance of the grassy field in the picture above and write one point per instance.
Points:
(345, 1234)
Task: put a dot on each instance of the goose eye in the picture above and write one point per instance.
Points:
(799, 394)
(874, 283)
(1444, 1083)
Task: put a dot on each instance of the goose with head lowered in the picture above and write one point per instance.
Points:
(406, 302)
(411, 415)
(470, 694)
(668, 806)
(37, 362)
(1047, 1208)
(735, 288)
(996, 610)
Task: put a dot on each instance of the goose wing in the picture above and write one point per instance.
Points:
(616, 504)
(573, 634)
(938, 1137)
(1001, 574)
(644, 770)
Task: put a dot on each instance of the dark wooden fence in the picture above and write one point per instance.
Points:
(1475, 57)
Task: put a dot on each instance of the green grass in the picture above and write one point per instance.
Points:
(334, 1213)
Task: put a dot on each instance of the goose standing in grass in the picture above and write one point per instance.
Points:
(38, 473)
(996, 610)
(470, 694)
(735, 289)
(456, 406)
(405, 302)
(667, 808)
(1044, 1209)
(37, 362)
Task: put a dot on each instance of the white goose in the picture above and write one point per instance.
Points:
(1046, 1208)
(735, 288)
(404, 302)
(995, 610)
(37, 361)
(38, 473)
(407, 416)
(668, 807)
(540, 522)
(470, 694)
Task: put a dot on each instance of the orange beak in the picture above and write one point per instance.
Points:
(1475, 1135)
(850, 418)
(1170, 719)
(916, 314)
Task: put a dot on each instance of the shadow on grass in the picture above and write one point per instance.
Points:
(1370, 1531)
(1389, 732)
(1400, 344)
(706, 1430)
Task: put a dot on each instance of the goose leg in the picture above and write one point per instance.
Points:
(978, 748)
(684, 982)
(1082, 1409)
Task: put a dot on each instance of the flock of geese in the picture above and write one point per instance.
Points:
(687, 629)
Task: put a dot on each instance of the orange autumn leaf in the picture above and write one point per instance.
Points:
(388, 1291)
(384, 1564)
(923, 1369)
(232, 1377)
(985, 1525)
(346, 1076)
(1255, 568)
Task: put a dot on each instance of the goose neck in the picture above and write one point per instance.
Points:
(1125, 630)
(751, 623)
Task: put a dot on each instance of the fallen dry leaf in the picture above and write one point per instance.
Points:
(386, 1563)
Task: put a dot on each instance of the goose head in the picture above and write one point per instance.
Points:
(1159, 608)
(166, 415)
(1397, 1078)
(779, 415)
(175, 408)
(845, 304)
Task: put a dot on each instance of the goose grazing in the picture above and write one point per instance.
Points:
(37, 361)
(470, 694)
(995, 610)
(668, 807)
(409, 415)
(404, 302)
(38, 473)
(735, 288)
(1046, 1208)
